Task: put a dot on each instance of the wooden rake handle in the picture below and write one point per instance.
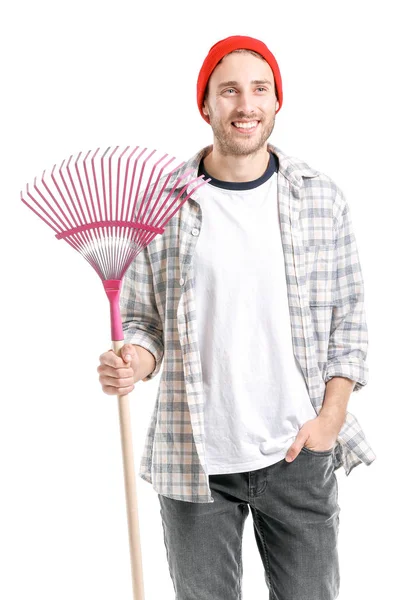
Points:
(130, 490)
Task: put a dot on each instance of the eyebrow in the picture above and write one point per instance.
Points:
(235, 83)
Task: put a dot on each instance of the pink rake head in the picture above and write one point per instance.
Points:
(109, 206)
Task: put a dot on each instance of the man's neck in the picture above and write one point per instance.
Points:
(236, 168)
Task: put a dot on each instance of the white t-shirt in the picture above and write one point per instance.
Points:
(256, 398)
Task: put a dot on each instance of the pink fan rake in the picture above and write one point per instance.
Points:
(109, 205)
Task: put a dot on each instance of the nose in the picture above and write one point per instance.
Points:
(245, 102)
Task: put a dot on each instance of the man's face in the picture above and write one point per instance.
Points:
(241, 104)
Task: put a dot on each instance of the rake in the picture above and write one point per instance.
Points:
(109, 205)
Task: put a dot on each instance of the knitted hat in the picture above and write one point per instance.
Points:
(223, 47)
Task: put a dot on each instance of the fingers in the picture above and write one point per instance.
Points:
(297, 446)
(115, 377)
(117, 391)
(127, 352)
(116, 381)
(116, 385)
(111, 360)
(113, 372)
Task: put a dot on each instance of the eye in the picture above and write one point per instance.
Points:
(230, 90)
(261, 88)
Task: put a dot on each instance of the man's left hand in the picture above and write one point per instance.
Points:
(318, 434)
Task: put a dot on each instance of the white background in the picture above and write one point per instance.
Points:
(79, 74)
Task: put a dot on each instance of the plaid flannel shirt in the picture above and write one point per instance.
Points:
(326, 307)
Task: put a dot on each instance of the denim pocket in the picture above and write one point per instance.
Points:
(318, 452)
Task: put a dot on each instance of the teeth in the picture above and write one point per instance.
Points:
(246, 125)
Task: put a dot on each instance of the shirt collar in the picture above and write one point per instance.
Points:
(291, 168)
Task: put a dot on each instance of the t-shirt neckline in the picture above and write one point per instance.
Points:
(272, 167)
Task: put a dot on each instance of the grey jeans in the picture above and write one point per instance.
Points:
(296, 521)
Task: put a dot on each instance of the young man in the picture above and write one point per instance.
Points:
(254, 297)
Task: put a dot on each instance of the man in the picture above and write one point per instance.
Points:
(254, 296)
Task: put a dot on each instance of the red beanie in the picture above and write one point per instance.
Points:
(223, 47)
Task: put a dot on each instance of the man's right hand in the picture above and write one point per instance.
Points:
(118, 374)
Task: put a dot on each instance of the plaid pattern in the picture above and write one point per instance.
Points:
(326, 305)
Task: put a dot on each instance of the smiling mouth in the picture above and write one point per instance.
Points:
(245, 126)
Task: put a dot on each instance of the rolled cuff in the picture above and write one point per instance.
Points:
(150, 343)
(357, 371)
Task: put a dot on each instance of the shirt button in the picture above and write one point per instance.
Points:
(195, 231)
(181, 281)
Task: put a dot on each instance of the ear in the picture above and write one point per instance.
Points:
(277, 105)
(205, 111)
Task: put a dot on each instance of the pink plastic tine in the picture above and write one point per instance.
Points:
(111, 233)
(62, 226)
(121, 231)
(129, 213)
(110, 185)
(82, 188)
(58, 205)
(68, 209)
(144, 197)
(69, 171)
(134, 237)
(51, 208)
(145, 239)
(95, 261)
(83, 236)
(148, 201)
(92, 203)
(127, 250)
(68, 191)
(76, 239)
(121, 248)
(39, 215)
(167, 217)
(96, 184)
(133, 252)
(167, 179)
(85, 170)
(41, 208)
(126, 182)
(89, 235)
(75, 243)
(188, 195)
(101, 201)
(103, 183)
(63, 214)
(118, 180)
(177, 182)
(129, 255)
(139, 185)
(104, 233)
(103, 254)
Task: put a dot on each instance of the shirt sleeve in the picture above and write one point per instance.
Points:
(141, 321)
(348, 341)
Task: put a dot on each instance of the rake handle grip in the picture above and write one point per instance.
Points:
(130, 489)
(113, 292)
